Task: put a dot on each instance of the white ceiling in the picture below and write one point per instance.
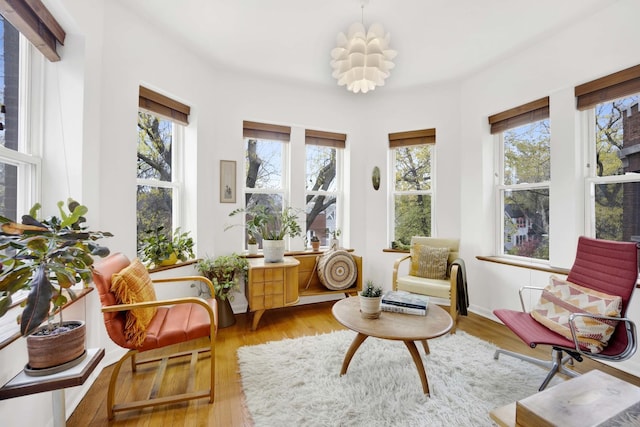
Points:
(436, 40)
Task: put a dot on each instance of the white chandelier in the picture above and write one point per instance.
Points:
(362, 59)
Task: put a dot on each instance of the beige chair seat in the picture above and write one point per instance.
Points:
(420, 285)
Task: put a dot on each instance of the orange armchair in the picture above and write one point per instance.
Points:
(175, 321)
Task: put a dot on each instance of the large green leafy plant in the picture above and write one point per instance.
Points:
(269, 223)
(46, 256)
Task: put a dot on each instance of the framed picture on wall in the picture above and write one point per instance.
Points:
(227, 181)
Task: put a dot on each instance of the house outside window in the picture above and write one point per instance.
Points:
(323, 183)
(20, 154)
(523, 179)
(612, 135)
(159, 160)
(413, 160)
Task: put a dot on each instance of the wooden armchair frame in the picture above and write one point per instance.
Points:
(152, 398)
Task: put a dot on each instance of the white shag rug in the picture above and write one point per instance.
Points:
(297, 382)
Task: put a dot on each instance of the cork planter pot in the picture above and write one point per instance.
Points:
(51, 352)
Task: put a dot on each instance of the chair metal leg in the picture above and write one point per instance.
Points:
(555, 365)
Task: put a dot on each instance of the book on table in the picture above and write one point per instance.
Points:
(405, 302)
(405, 310)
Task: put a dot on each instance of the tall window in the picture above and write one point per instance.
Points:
(265, 165)
(412, 160)
(322, 189)
(159, 176)
(613, 135)
(523, 145)
(19, 156)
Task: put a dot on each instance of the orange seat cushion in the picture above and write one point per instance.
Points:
(132, 285)
(178, 323)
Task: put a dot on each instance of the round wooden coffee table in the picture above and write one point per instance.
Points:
(407, 328)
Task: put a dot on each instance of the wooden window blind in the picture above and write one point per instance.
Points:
(607, 88)
(265, 131)
(36, 23)
(326, 139)
(412, 137)
(518, 116)
(163, 105)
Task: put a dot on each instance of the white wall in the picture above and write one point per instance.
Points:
(597, 46)
(106, 65)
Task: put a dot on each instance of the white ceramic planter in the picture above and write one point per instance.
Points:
(253, 249)
(370, 307)
(273, 250)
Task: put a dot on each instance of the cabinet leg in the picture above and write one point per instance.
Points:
(257, 315)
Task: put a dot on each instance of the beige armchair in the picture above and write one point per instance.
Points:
(434, 272)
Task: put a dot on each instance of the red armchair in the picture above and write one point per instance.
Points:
(604, 266)
(175, 321)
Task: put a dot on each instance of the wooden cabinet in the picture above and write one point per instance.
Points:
(275, 285)
(271, 285)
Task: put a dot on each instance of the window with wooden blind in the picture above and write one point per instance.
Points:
(412, 159)
(266, 150)
(160, 182)
(523, 137)
(612, 134)
(323, 183)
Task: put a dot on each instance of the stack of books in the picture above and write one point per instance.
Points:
(405, 302)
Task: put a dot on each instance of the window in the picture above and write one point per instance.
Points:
(523, 179)
(19, 155)
(159, 172)
(265, 165)
(610, 106)
(323, 183)
(412, 159)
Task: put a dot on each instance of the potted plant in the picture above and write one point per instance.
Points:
(370, 298)
(335, 241)
(315, 243)
(224, 271)
(48, 256)
(160, 249)
(273, 226)
(252, 245)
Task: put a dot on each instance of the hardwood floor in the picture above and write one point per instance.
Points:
(228, 408)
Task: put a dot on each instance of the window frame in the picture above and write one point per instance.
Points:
(425, 137)
(513, 118)
(28, 157)
(176, 185)
(337, 142)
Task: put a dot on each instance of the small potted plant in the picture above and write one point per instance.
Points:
(224, 271)
(252, 245)
(315, 243)
(335, 241)
(160, 248)
(47, 256)
(370, 299)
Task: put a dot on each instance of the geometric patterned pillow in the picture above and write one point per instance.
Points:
(429, 262)
(130, 285)
(561, 298)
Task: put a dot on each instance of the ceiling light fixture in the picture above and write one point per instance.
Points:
(362, 59)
